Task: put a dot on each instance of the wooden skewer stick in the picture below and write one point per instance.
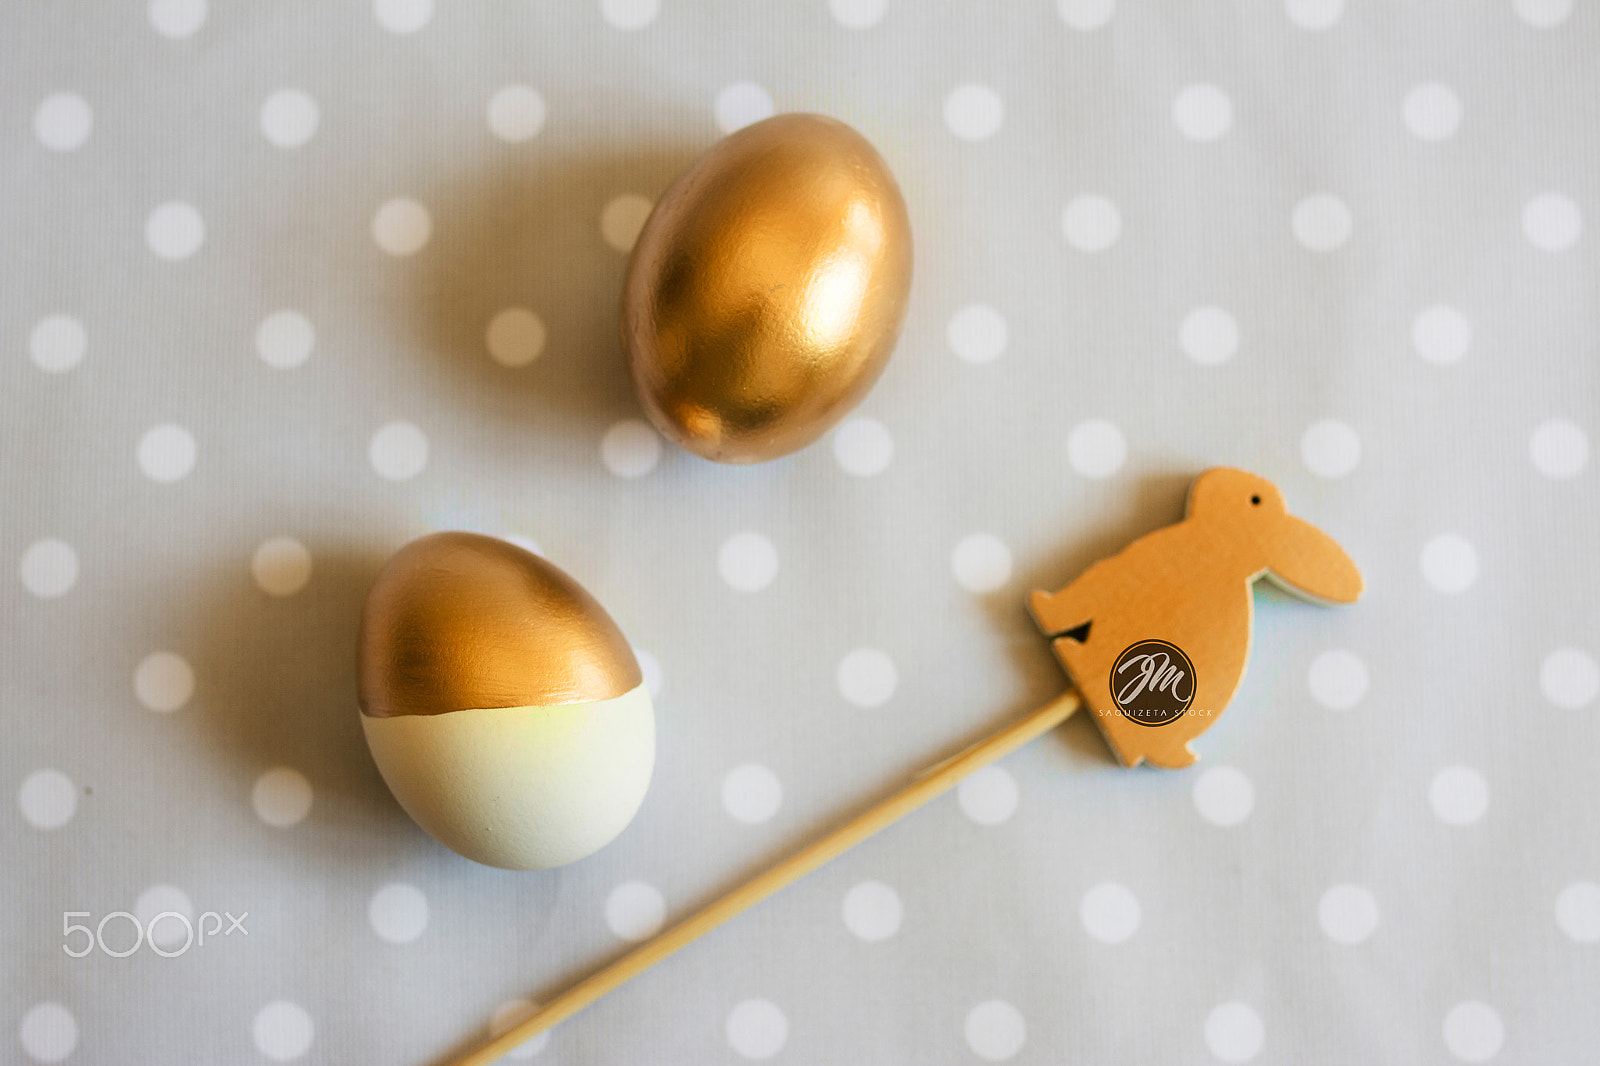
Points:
(926, 785)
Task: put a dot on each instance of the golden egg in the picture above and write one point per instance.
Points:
(767, 289)
(503, 707)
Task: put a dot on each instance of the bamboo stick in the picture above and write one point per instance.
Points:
(922, 788)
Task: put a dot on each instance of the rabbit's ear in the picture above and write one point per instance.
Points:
(1307, 562)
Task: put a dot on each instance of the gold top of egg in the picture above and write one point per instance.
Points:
(458, 621)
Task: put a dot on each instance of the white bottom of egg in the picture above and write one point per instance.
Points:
(522, 788)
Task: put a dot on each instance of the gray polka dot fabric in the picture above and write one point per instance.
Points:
(292, 284)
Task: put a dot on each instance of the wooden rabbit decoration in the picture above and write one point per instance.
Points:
(1156, 637)
(1163, 627)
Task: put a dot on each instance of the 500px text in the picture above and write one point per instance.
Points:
(194, 934)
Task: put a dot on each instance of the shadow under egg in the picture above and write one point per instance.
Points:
(280, 691)
(521, 237)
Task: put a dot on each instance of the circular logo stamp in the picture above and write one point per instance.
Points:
(1152, 682)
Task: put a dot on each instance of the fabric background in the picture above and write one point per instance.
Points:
(1349, 247)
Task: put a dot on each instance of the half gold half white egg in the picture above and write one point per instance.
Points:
(503, 706)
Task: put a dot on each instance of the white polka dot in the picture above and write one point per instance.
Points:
(1543, 14)
(1234, 1032)
(169, 934)
(988, 796)
(740, 104)
(1552, 222)
(1348, 913)
(166, 453)
(756, 1029)
(977, 334)
(49, 568)
(48, 1032)
(57, 343)
(858, 14)
(398, 451)
(177, 19)
(1110, 913)
(1209, 335)
(48, 799)
(281, 797)
(1578, 911)
(748, 562)
(515, 337)
(650, 669)
(527, 544)
(1449, 563)
(863, 447)
(402, 226)
(974, 112)
(981, 563)
(163, 681)
(1558, 448)
(516, 113)
(402, 16)
(1432, 112)
(1314, 14)
(1569, 678)
(398, 913)
(751, 794)
(509, 1014)
(1337, 679)
(1473, 1031)
(281, 566)
(624, 216)
(1441, 334)
(1322, 223)
(174, 231)
(284, 339)
(1096, 448)
(872, 911)
(630, 448)
(1086, 15)
(1091, 223)
(635, 911)
(995, 1030)
(1224, 796)
(1459, 795)
(283, 1031)
(866, 677)
(630, 14)
(1330, 448)
(63, 121)
(289, 118)
(1202, 112)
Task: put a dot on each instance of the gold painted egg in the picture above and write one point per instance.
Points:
(504, 708)
(767, 289)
